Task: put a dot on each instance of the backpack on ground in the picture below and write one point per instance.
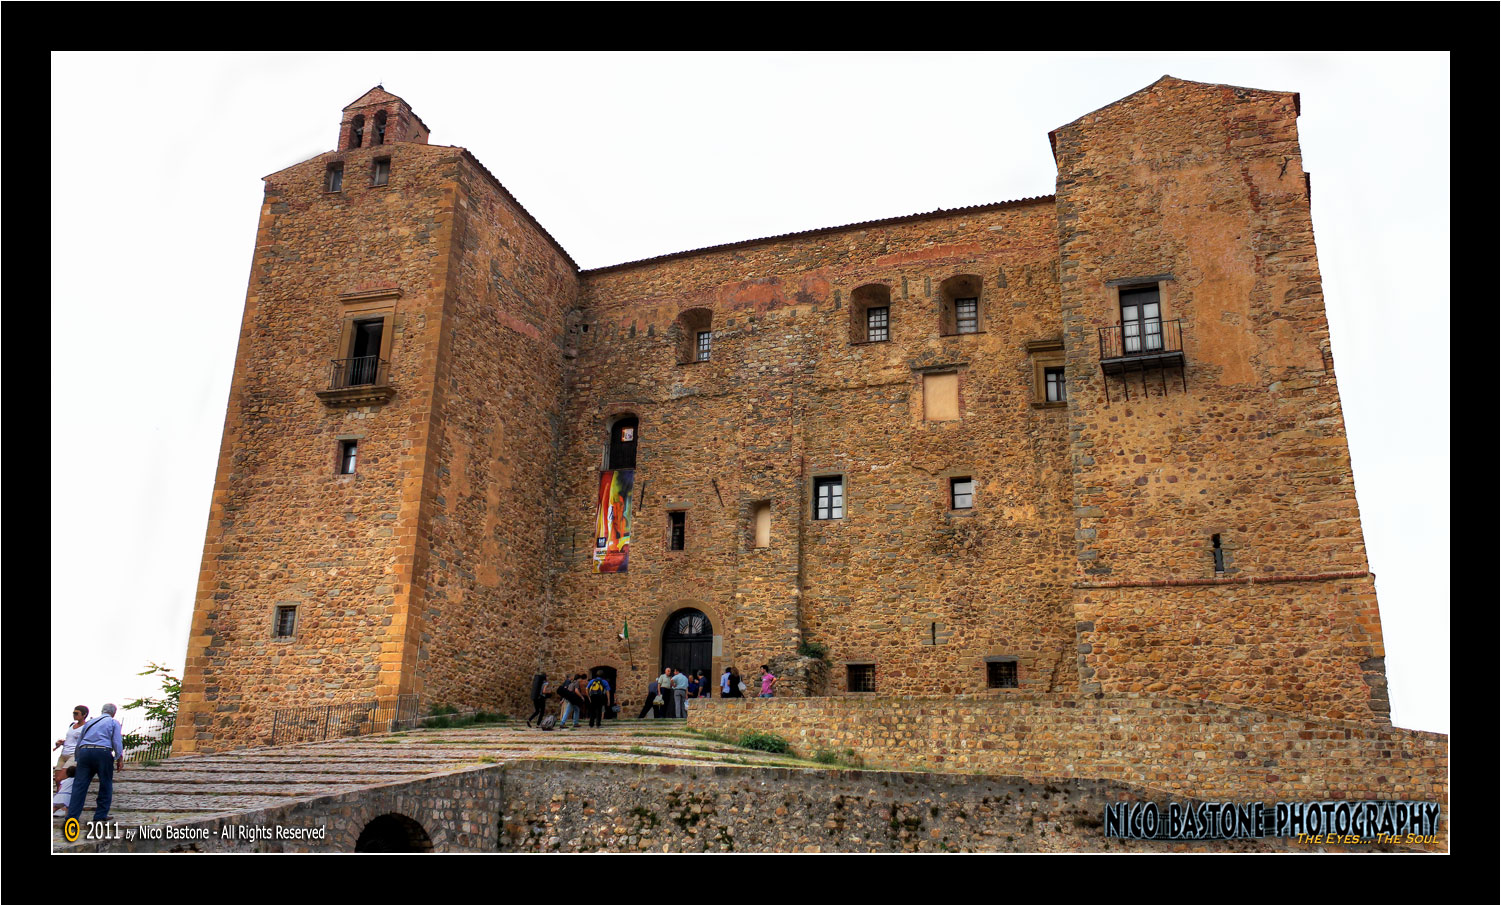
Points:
(549, 722)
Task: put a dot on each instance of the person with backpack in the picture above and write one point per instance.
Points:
(540, 690)
(599, 699)
(101, 751)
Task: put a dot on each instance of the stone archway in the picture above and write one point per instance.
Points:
(720, 650)
(393, 832)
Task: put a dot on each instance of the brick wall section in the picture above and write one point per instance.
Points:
(1199, 749)
(1204, 183)
(283, 527)
(787, 395)
(482, 550)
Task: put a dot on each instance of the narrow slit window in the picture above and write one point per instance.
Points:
(862, 677)
(1219, 555)
(357, 131)
(828, 497)
(967, 315)
(1000, 675)
(381, 172)
(335, 178)
(763, 524)
(380, 129)
(286, 622)
(676, 530)
(962, 493)
(878, 324)
(705, 338)
(1056, 390)
(348, 455)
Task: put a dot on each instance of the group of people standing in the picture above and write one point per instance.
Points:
(580, 693)
(667, 696)
(90, 748)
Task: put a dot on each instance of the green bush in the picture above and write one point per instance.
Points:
(763, 742)
(826, 756)
(442, 709)
(813, 649)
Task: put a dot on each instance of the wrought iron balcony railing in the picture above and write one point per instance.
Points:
(364, 371)
(1137, 339)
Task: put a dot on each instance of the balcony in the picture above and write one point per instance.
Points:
(1142, 346)
(362, 381)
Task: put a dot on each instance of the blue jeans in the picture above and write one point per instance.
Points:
(90, 762)
(569, 707)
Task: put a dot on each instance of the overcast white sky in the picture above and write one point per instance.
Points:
(156, 187)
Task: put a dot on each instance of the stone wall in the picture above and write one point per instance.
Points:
(1197, 749)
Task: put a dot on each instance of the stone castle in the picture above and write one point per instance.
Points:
(1076, 447)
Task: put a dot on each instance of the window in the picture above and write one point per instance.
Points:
(940, 396)
(623, 437)
(862, 677)
(286, 622)
(962, 493)
(960, 305)
(363, 365)
(335, 178)
(870, 313)
(693, 335)
(762, 522)
(828, 497)
(1056, 391)
(967, 315)
(357, 131)
(381, 172)
(348, 453)
(380, 129)
(676, 526)
(1219, 555)
(1141, 320)
(1000, 674)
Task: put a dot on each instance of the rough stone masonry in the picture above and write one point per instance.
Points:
(1088, 443)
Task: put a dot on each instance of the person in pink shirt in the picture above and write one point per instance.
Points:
(767, 681)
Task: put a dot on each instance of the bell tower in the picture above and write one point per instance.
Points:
(378, 117)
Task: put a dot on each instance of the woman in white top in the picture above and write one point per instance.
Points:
(69, 742)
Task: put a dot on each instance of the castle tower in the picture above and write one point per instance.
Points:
(398, 377)
(1218, 544)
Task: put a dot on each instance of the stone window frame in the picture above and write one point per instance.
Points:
(375, 171)
(276, 612)
(812, 495)
(959, 369)
(863, 298)
(1046, 354)
(357, 307)
(689, 323)
(328, 173)
(849, 677)
(748, 520)
(945, 498)
(1012, 659)
(339, 442)
(1161, 282)
(667, 540)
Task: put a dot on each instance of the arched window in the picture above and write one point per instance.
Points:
(688, 642)
(870, 313)
(961, 308)
(357, 131)
(623, 437)
(695, 335)
(380, 129)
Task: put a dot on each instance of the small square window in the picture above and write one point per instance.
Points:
(704, 339)
(348, 454)
(1057, 391)
(381, 172)
(335, 178)
(862, 677)
(1000, 674)
(967, 314)
(828, 497)
(286, 622)
(961, 493)
(676, 530)
(878, 324)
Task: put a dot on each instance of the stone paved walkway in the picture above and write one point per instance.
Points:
(201, 786)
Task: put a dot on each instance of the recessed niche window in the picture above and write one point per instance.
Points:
(861, 677)
(380, 173)
(286, 622)
(335, 178)
(961, 493)
(961, 306)
(380, 129)
(828, 497)
(870, 313)
(761, 520)
(677, 525)
(623, 438)
(1057, 391)
(348, 454)
(1000, 675)
(695, 338)
(357, 131)
(1219, 554)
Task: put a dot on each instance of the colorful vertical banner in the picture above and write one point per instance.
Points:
(612, 525)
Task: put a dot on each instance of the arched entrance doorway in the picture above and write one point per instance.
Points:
(393, 833)
(688, 642)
